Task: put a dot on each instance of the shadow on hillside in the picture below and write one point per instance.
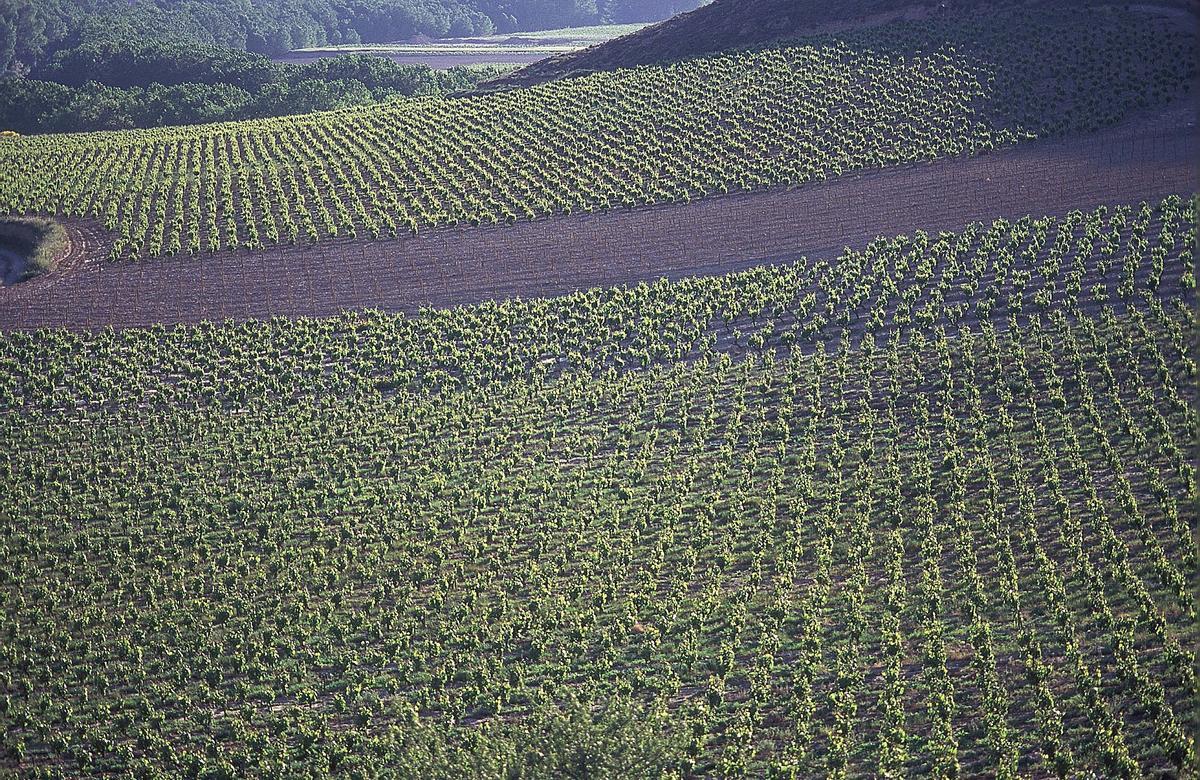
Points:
(1044, 72)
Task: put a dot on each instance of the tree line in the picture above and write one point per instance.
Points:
(33, 30)
(115, 86)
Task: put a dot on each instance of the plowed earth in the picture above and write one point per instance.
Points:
(1141, 160)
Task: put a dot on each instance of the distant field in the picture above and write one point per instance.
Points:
(743, 121)
(451, 266)
(514, 48)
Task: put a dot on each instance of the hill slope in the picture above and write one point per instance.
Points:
(734, 24)
(719, 26)
(557, 255)
(865, 515)
(788, 116)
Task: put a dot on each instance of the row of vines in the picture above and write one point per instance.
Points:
(780, 116)
(643, 544)
(1081, 262)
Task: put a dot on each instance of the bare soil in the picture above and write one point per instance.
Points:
(1140, 160)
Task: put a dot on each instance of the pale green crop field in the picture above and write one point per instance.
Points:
(537, 42)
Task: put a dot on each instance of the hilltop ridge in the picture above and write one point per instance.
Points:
(735, 24)
(719, 26)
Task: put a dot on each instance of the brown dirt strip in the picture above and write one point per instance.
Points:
(1142, 160)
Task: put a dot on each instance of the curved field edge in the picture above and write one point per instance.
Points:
(741, 121)
(926, 509)
(1149, 158)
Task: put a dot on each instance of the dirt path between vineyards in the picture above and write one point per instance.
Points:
(1140, 160)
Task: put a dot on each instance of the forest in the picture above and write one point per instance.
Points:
(109, 65)
(117, 85)
(32, 30)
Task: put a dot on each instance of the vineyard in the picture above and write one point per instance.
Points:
(749, 120)
(1150, 157)
(926, 508)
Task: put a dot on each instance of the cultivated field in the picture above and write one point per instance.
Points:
(923, 509)
(1150, 157)
(743, 121)
(819, 411)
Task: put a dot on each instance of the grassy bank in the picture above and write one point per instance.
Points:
(39, 241)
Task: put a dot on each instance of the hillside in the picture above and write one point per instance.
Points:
(720, 26)
(732, 24)
(715, 27)
(559, 254)
(924, 510)
(792, 390)
(803, 113)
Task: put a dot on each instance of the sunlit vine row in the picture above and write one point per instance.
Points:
(788, 115)
(748, 546)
